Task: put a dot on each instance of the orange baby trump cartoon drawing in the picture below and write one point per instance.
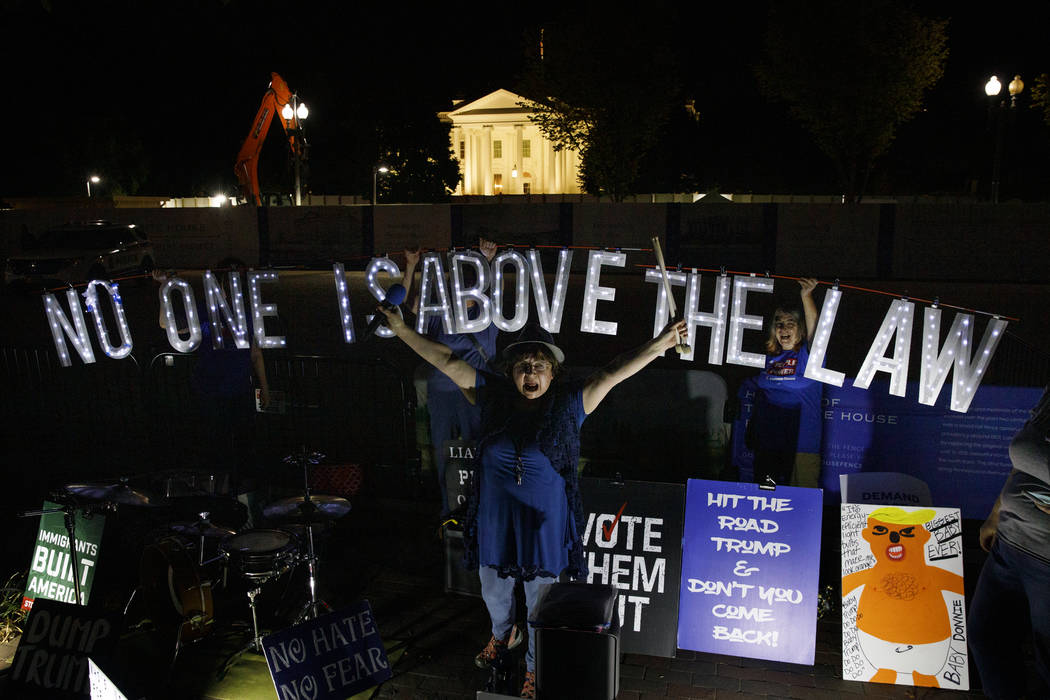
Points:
(902, 586)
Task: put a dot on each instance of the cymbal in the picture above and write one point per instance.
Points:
(317, 510)
(120, 493)
(200, 528)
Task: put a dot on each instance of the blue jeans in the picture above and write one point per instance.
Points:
(1013, 589)
(498, 594)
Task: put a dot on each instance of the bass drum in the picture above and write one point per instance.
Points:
(174, 590)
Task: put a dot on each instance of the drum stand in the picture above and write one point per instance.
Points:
(254, 644)
(309, 513)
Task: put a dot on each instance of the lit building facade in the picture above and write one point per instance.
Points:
(501, 152)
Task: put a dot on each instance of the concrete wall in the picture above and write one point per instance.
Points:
(913, 241)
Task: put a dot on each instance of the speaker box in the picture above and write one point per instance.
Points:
(577, 664)
(577, 642)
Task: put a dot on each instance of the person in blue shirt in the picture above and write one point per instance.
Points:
(525, 519)
(452, 417)
(785, 427)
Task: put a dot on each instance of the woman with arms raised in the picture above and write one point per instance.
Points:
(525, 520)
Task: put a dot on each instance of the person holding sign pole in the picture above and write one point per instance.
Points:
(525, 520)
(785, 427)
(1013, 591)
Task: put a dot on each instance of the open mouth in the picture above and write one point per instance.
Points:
(895, 552)
(530, 388)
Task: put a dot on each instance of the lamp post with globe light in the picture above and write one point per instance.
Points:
(375, 175)
(94, 179)
(294, 113)
(992, 89)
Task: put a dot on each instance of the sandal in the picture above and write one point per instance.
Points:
(528, 688)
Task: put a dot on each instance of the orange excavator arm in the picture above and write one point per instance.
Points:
(247, 165)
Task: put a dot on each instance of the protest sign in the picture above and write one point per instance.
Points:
(331, 657)
(903, 612)
(102, 687)
(51, 568)
(750, 559)
(884, 488)
(52, 655)
(632, 540)
(960, 356)
(459, 472)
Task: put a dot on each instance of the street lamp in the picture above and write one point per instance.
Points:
(375, 175)
(294, 113)
(992, 89)
(94, 179)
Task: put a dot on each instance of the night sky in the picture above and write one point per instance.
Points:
(161, 94)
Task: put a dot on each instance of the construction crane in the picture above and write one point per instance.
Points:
(282, 102)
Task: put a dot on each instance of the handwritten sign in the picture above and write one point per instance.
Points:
(903, 615)
(631, 540)
(334, 656)
(54, 650)
(51, 568)
(750, 559)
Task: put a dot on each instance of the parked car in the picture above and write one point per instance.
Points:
(78, 253)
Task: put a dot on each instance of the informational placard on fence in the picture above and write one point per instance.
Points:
(632, 540)
(331, 657)
(52, 657)
(964, 457)
(51, 568)
(903, 613)
(750, 559)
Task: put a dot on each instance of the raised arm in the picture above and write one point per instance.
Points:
(601, 382)
(809, 307)
(437, 354)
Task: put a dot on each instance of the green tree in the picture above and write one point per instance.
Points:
(851, 73)
(1041, 96)
(417, 149)
(604, 88)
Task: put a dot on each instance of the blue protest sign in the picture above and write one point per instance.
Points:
(750, 559)
(333, 656)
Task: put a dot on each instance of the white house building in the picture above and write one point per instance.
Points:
(501, 152)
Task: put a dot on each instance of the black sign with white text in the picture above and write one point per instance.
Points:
(459, 471)
(52, 656)
(632, 540)
(330, 658)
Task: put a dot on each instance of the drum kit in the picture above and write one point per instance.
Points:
(185, 561)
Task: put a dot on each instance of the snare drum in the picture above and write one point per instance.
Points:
(174, 588)
(259, 555)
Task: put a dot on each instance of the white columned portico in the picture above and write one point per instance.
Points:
(504, 116)
(486, 160)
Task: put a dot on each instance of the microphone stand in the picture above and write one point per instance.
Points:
(307, 509)
(70, 512)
